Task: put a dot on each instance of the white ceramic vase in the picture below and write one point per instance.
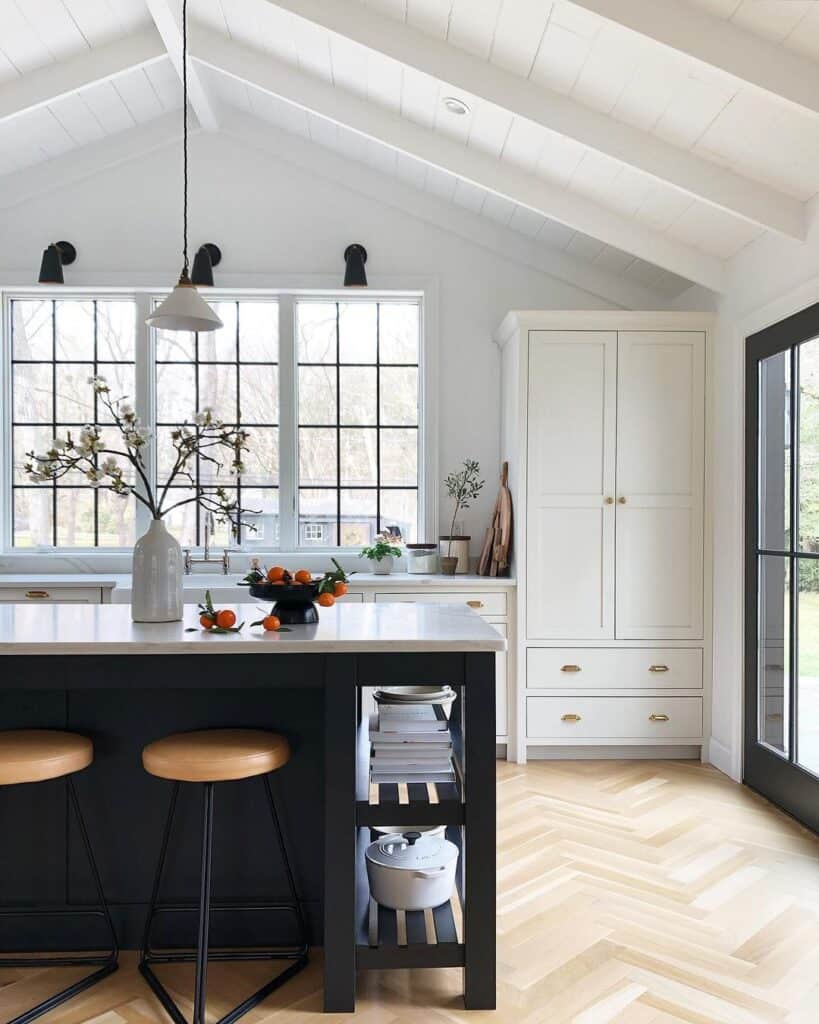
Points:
(382, 567)
(156, 584)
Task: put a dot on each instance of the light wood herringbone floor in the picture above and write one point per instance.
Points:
(629, 892)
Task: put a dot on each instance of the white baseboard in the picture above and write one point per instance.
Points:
(612, 753)
(722, 757)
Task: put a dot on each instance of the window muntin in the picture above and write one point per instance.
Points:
(235, 372)
(358, 437)
(56, 345)
(374, 412)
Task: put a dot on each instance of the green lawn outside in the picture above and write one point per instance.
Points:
(808, 633)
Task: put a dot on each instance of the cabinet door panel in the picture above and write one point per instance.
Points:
(570, 466)
(660, 469)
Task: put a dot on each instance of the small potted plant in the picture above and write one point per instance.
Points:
(463, 487)
(381, 553)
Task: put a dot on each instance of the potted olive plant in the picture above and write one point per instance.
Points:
(463, 487)
(381, 553)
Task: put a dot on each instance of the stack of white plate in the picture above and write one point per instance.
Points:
(415, 695)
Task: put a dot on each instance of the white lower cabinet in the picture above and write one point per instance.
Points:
(638, 720)
(51, 595)
(572, 668)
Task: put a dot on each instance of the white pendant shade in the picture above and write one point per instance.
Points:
(184, 310)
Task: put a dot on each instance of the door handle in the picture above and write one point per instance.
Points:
(658, 718)
(570, 718)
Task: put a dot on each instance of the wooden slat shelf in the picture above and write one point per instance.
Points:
(402, 939)
(412, 804)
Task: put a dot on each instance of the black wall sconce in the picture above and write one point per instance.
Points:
(355, 276)
(207, 257)
(55, 257)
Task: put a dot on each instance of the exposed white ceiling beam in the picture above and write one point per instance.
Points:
(686, 171)
(168, 20)
(376, 186)
(30, 182)
(278, 78)
(719, 43)
(100, 64)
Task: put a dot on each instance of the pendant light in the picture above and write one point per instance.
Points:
(184, 309)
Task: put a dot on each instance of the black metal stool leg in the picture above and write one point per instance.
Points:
(107, 963)
(200, 991)
(274, 811)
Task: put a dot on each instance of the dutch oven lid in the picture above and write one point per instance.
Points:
(412, 851)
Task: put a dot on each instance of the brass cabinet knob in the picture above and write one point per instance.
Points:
(621, 500)
(570, 718)
(609, 501)
(658, 718)
(37, 594)
(570, 668)
(475, 604)
(658, 668)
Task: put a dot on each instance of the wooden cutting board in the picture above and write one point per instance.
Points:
(498, 541)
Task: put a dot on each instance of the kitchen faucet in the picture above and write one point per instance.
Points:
(224, 560)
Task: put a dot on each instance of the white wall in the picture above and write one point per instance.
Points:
(767, 281)
(279, 225)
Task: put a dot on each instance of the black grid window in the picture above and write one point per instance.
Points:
(56, 346)
(235, 372)
(358, 401)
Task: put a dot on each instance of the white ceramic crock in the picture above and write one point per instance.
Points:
(411, 871)
(156, 586)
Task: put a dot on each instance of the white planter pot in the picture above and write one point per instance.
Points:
(156, 585)
(382, 567)
(411, 871)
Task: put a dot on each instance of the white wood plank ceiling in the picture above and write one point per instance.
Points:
(616, 131)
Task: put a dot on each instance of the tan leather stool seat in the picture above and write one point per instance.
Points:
(34, 755)
(216, 755)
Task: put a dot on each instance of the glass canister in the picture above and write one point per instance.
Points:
(422, 559)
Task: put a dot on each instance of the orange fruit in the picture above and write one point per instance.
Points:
(271, 623)
(303, 576)
(326, 600)
(226, 618)
(206, 622)
(275, 574)
(340, 589)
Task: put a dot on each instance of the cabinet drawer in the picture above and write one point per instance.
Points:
(488, 602)
(616, 718)
(50, 595)
(589, 668)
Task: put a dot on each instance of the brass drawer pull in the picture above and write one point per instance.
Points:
(658, 668)
(609, 501)
(658, 718)
(570, 718)
(37, 593)
(475, 604)
(570, 668)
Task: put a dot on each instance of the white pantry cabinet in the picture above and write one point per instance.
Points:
(604, 430)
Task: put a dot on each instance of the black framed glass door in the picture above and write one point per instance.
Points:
(781, 757)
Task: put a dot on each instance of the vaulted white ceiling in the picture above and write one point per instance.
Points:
(651, 139)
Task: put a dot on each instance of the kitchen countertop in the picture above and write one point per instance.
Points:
(59, 629)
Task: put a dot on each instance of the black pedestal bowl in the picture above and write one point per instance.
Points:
(294, 601)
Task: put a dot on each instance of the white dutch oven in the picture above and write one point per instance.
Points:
(411, 871)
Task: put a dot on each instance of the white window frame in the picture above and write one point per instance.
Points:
(118, 559)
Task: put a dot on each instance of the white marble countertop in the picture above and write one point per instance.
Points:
(59, 629)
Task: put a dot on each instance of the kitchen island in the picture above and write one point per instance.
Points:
(88, 668)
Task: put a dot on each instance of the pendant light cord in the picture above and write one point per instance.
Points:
(185, 136)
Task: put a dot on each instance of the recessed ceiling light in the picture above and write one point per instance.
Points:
(455, 106)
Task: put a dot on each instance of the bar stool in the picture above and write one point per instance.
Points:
(208, 757)
(37, 755)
